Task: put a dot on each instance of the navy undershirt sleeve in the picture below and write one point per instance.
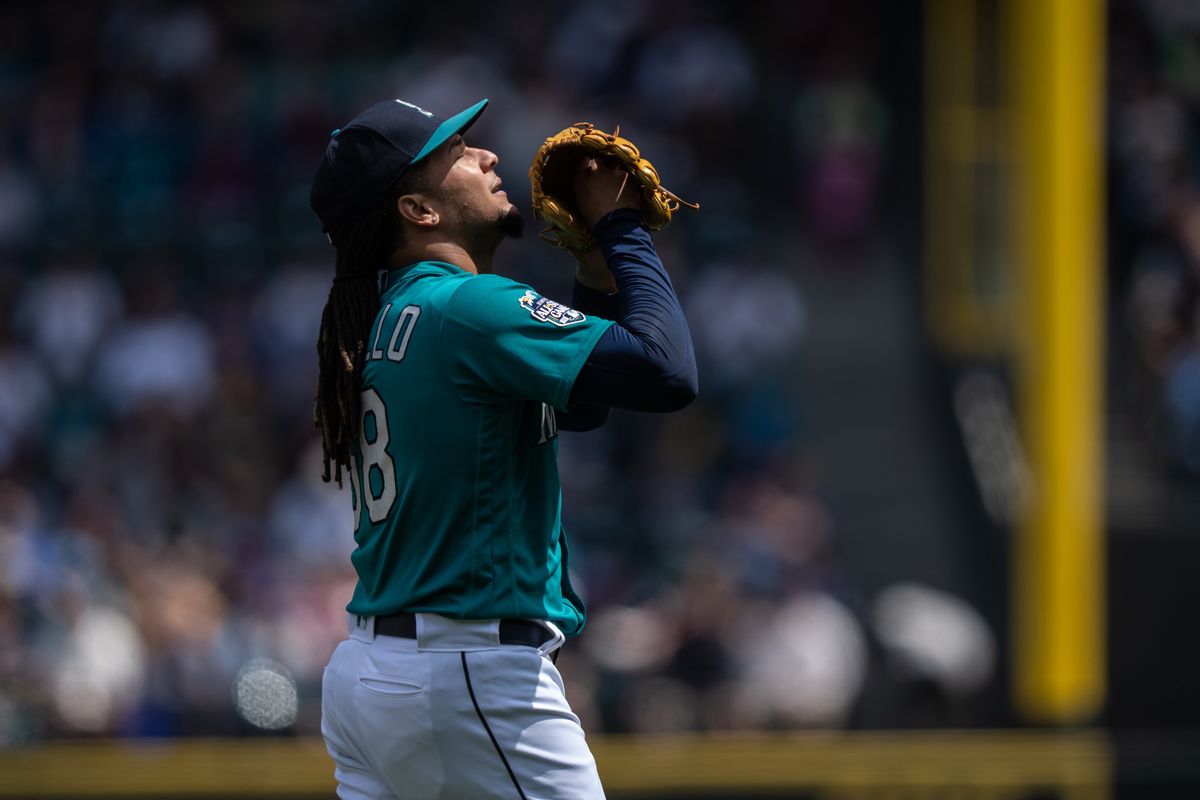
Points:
(645, 362)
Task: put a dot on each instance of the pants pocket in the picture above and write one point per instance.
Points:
(389, 685)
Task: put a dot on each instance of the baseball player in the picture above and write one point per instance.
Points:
(442, 390)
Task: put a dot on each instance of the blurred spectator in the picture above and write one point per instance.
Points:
(285, 313)
(160, 354)
(592, 40)
(309, 518)
(19, 205)
(97, 671)
(840, 127)
(65, 311)
(804, 667)
(698, 70)
(930, 635)
(747, 318)
(24, 392)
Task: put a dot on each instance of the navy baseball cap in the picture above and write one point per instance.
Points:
(368, 155)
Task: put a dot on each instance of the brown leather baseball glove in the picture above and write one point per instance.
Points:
(552, 178)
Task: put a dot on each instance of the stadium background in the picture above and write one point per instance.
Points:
(824, 579)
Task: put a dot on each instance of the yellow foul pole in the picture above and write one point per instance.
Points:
(1058, 561)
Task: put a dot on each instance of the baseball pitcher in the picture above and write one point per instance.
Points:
(442, 390)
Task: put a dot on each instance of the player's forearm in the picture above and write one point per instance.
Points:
(648, 306)
(646, 361)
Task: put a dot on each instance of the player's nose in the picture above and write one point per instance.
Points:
(488, 160)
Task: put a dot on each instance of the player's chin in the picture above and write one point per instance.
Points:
(511, 223)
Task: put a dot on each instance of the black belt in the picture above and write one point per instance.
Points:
(512, 631)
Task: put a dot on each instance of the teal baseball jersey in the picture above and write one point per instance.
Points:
(455, 482)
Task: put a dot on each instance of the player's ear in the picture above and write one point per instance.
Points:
(417, 209)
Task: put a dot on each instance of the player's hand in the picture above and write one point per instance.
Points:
(602, 187)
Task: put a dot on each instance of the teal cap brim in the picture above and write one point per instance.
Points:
(456, 124)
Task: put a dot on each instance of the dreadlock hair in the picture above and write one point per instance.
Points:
(363, 248)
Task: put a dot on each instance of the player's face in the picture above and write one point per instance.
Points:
(470, 192)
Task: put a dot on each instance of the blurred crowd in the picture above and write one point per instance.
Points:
(163, 523)
(1154, 99)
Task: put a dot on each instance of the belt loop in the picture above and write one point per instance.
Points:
(362, 627)
(554, 644)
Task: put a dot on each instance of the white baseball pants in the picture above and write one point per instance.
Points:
(451, 715)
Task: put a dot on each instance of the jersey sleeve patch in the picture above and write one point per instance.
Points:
(545, 310)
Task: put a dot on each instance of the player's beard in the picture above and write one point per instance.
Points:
(483, 234)
(511, 224)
